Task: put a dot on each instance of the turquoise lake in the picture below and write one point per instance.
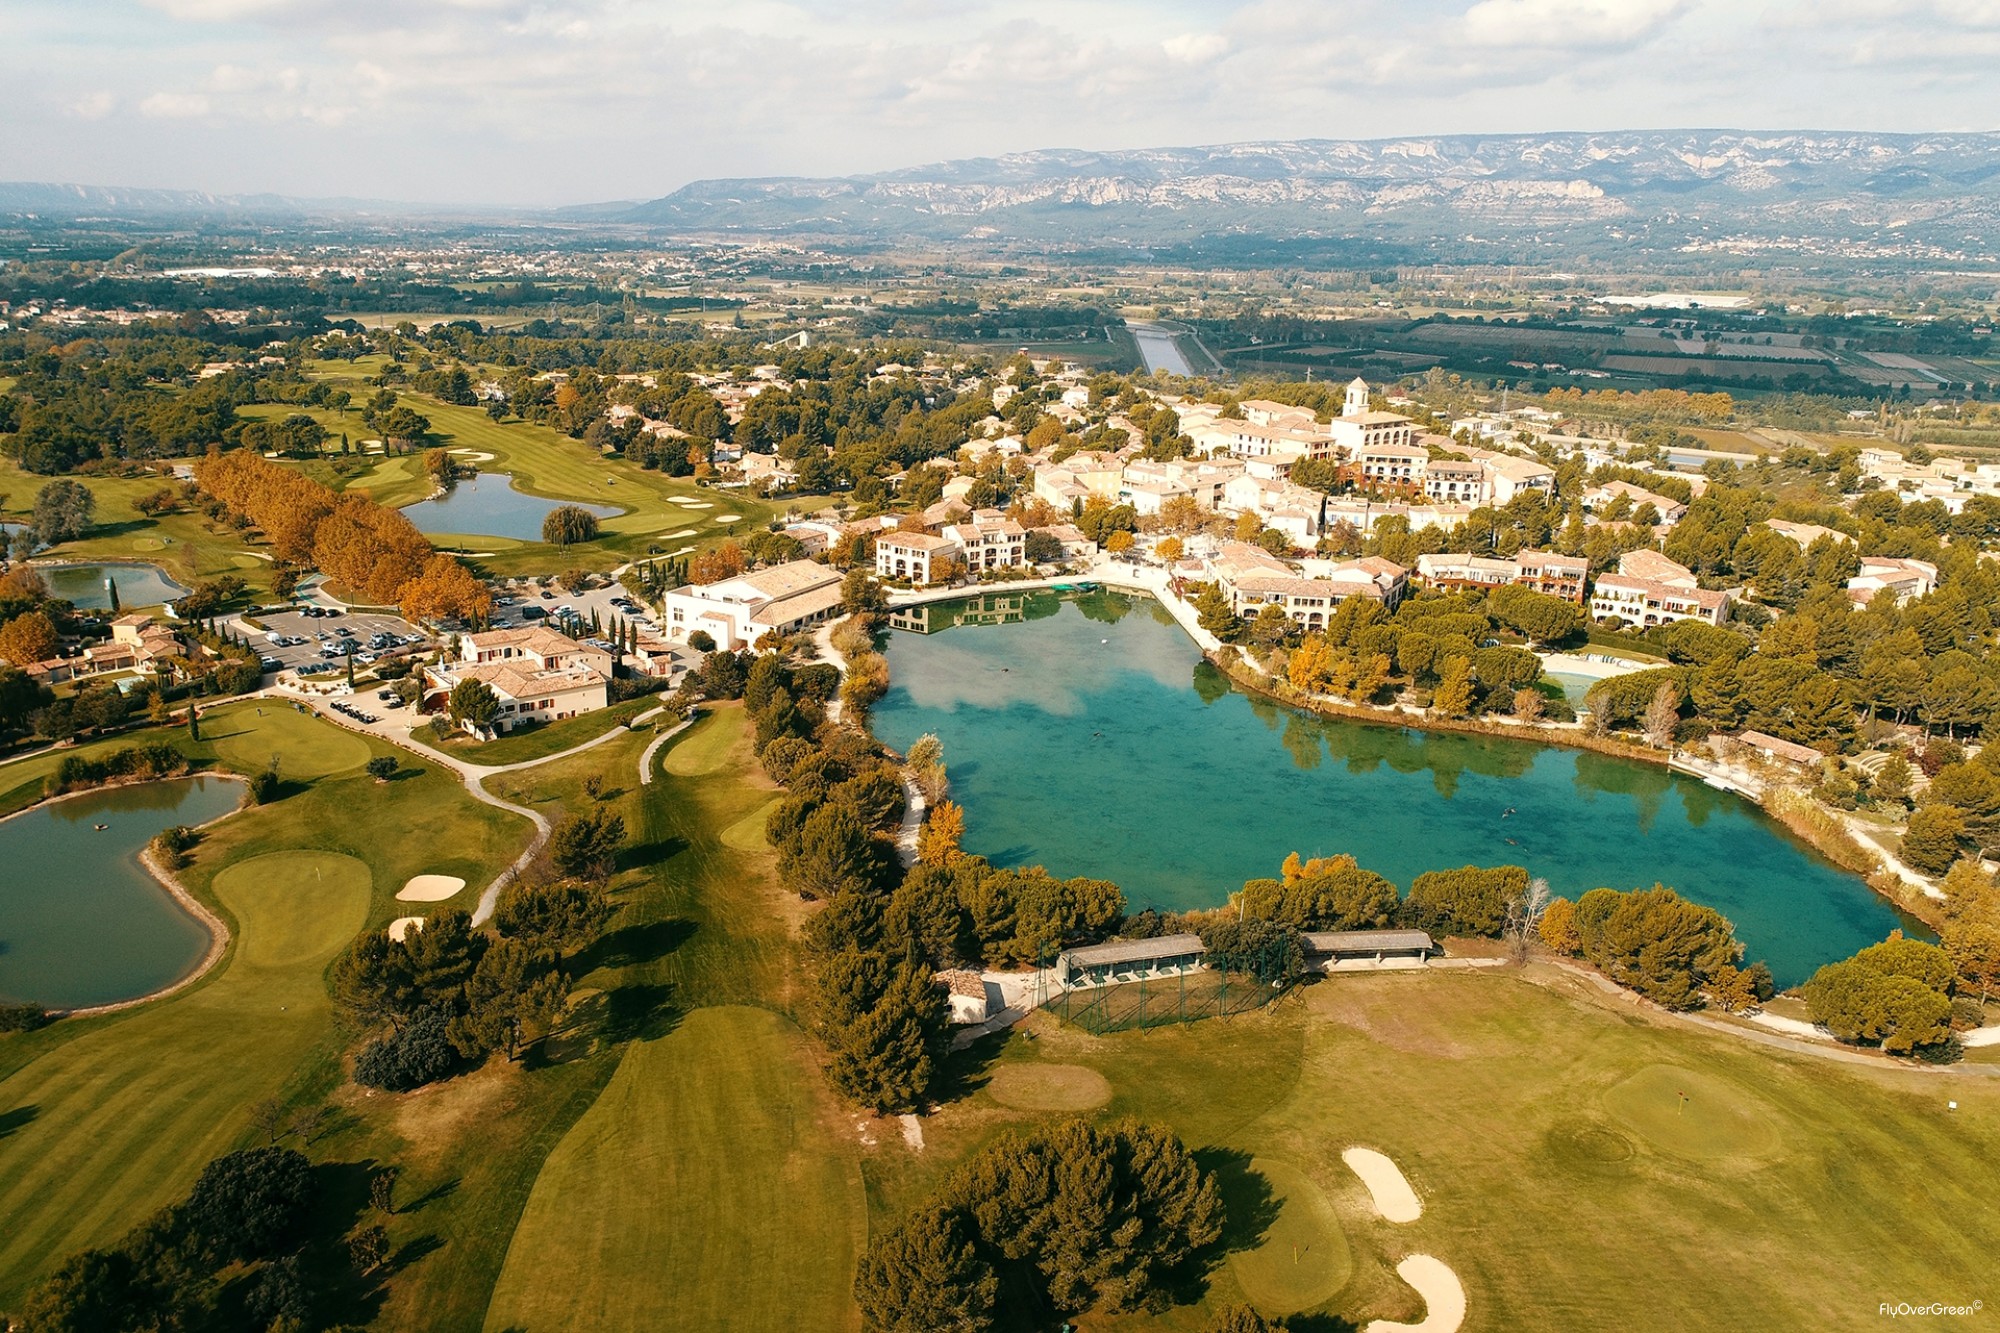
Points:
(487, 505)
(81, 922)
(1087, 734)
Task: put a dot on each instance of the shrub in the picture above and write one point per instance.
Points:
(251, 1204)
(23, 1017)
(420, 1053)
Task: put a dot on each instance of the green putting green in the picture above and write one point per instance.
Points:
(699, 750)
(248, 735)
(148, 544)
(747, 833)
(1693, 1114)
(1302, 1260)
(1029, 1086)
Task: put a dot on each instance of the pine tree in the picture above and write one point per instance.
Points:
(1453, 697)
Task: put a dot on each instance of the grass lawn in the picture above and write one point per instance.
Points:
(111, 1117)
(181, 543)
(679, 1199)
(1562, 1176)
(545, 462)
(706, 1189)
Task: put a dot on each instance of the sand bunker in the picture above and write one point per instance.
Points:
(476, 455)
(726, 518)
(1444, 1297)
(403, 925)
(1394, 1198)
(684, 532)
(437, 888)
(691, 504)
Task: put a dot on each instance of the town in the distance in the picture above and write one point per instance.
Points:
(563, 775)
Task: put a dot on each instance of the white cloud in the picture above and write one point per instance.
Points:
(1195, 48)
(174, 106)
(1567, 23)
(565, 100)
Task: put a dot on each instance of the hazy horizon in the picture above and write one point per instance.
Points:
(514, 103)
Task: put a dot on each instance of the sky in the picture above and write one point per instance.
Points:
(543, 102)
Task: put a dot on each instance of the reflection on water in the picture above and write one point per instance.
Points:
(1095, 741)
(81, 922)
(138, 585)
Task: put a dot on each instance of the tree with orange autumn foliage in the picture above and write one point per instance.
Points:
(718, 563)
(445, 589)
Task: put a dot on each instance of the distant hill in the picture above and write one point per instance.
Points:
(1661, 189)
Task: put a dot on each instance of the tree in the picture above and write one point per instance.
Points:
(1242, 1319)
(1974, 948)
(1861, 1003)
(420, 1052)
(1537, 615)
(860, 594)
(566, 525)
(472, 702)
(445, 589)
(62, 512)
(1466, 901)
(1169, 549)
(1529, 704)
(252, 1204)
(926, 1276)
(1453, 696)
(938, 841)
(1214, 614)
(1558, 928)
(1663, 715)
(27, 639)
(887, 1057)
(1935, 837)
(1118, 541)
(586, 846)
(382, 767)
(832, 852)
(1656, 942)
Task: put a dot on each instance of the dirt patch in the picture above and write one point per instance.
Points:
(1385, 1017)
(1048, 1087)
(434, 1119)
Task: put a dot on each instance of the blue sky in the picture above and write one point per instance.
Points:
(566, 101)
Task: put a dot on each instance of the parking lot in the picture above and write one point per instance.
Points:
(307, 642)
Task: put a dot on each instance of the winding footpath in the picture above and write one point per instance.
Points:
(474, 777)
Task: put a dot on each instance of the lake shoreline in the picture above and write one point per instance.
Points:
(218, 932)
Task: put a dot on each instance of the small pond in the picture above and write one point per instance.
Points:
(1087, 734)
(487, 505)
(138, 585)
(81, 921)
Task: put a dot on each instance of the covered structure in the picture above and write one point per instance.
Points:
(1326, 949)
(1129, 960)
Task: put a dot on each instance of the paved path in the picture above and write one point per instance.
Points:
(646, 759)
(397, 732)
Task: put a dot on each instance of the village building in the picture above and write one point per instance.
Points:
(1562, 576)
(966, 992)
(989, 541)
(1645, 602)
(737, 612)
(914, 557)
(1805, 534)
(1597, 499)
(1897, 576)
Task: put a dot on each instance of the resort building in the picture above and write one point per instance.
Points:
(914, 557)
(737, 612)
(1805, 534)
(1358, 431)
(989, 541)
(1645, 602)
(1897, 576)
(1543, 571)
(137, 641)
(1310, 599)
(1447, 481)
(537, 674)
(1393, 464)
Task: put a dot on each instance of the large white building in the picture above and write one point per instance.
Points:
(737, 612)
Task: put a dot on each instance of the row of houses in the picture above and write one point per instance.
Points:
(537, 675)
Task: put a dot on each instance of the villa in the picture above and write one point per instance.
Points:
(537, 674)
(913, 557)
(737, 612)
(1561, 576)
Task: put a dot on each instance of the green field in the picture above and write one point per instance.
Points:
(539, 742)
(112, 1117)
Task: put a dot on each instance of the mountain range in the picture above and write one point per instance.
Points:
(1924, 197)
(1805, 183)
